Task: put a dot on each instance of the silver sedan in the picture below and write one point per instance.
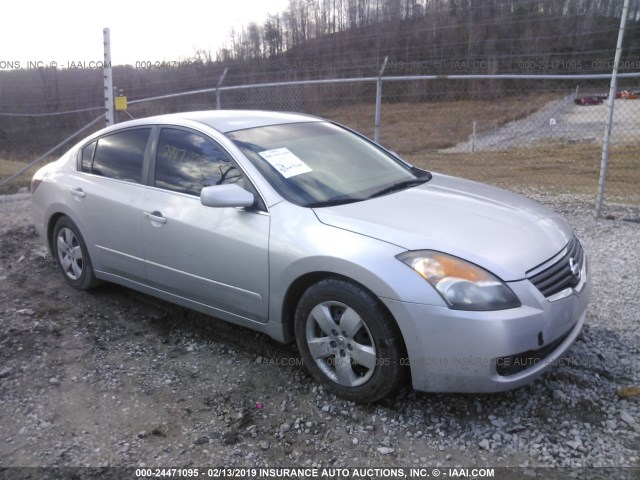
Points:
(306, 231)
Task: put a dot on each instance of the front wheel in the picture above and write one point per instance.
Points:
(348, 341)
(72, 255)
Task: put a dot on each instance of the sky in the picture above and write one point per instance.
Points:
(69, 33)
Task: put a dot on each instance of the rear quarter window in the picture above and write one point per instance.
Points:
(87, 156)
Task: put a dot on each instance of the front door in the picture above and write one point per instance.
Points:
(217, 257)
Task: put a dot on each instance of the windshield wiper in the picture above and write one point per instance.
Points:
(399, 186)
(334, 201)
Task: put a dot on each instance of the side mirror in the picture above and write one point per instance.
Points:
(222, 196)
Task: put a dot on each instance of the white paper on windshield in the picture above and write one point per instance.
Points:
(285, 162)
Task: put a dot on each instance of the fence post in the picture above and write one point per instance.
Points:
(611, 101)
(376, 135)
(224, 74)
(108, 78)
(473, 138)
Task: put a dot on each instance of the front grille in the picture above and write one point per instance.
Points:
(560, 272)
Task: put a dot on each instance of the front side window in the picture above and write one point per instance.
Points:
(121, 155)
(187, 162)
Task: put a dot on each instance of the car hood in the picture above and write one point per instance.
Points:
(503, 232)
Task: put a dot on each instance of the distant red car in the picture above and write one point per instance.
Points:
(590, 100)
(626, 94)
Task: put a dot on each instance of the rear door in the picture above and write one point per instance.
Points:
(213, 256)
(109, 195)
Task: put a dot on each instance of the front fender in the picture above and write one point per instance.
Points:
(302, 245)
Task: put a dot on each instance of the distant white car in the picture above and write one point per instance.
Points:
(302, 229)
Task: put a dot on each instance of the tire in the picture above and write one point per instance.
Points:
(348, 341)
(72, 256)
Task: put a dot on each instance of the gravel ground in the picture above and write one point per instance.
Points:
(115, 378)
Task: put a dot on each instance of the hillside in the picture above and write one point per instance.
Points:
(320, 39)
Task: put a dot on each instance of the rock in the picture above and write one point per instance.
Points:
(626, 418)
(575, 444)
(264, 445)
(559, 395)
(485, 444)
(54, 381)
(385, 450)
(498, 423)
(285, 427)
(355, 441)
(5, 372)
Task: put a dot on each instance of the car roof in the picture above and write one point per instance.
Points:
(229, 120)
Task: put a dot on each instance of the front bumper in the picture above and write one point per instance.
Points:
(461, 351)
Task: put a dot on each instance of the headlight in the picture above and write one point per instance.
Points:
(463, 285)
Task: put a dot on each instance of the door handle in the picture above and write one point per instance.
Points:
(155, 217)
(77, 192)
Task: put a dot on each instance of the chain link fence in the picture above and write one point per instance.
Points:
(23, 135)
(523, 134)
(28, 140)
(520, 133)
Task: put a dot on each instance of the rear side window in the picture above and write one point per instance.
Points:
(121, 155)
(186, 162)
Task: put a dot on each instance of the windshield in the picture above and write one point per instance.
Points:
(319, 164)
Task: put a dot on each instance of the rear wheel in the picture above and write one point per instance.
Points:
(348, 341)
(72, 255)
